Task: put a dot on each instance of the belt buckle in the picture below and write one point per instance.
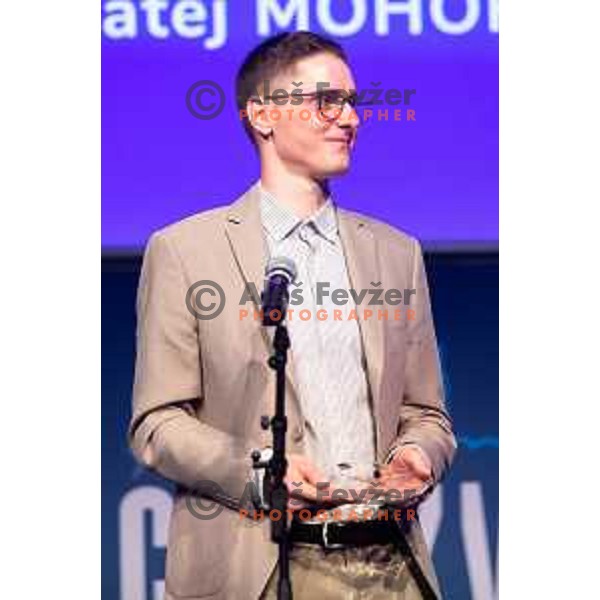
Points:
(326, 543)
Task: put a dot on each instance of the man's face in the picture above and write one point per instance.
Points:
(303, 139)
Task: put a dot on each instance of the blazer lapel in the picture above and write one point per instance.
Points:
(244, 231)
(243, 228)
(360, 248)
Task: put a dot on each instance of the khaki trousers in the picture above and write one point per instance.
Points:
(366, 573)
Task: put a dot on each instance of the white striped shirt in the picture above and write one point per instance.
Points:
(327, 355)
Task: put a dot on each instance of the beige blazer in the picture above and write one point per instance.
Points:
(201, 385)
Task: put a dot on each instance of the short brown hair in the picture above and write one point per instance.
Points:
(274, 56)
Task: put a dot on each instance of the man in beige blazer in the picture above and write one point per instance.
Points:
(201, 384)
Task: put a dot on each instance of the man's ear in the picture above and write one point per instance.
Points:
(259, 118)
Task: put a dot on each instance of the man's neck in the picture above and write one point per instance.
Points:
(302, 195)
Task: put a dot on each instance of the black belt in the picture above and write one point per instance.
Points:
(332, 534)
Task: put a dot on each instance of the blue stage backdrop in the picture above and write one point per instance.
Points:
(461, 518)
(435, 176)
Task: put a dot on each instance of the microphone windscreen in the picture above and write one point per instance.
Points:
(281, 265)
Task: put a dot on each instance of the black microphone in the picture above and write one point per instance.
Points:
(280, 272)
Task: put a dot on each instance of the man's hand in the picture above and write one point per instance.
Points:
(412, 458)
(410, 469)
(301, 479)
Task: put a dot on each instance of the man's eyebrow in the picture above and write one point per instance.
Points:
(349, 91)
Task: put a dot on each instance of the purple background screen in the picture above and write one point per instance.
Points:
(436, 177)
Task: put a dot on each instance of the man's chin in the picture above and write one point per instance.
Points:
(335, 170)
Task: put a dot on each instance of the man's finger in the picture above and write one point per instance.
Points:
(304, 490)
(416, 461)
(311, 472)
(402, 485)
(297, 504)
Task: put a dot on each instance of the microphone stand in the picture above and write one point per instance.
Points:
(275, 468)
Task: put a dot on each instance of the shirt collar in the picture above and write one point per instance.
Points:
(279, 220)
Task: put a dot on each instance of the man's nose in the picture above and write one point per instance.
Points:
(349, 117)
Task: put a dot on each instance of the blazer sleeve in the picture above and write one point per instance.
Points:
(423, 417)
(165, 433)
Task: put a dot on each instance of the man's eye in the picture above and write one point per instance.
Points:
(332, 99)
